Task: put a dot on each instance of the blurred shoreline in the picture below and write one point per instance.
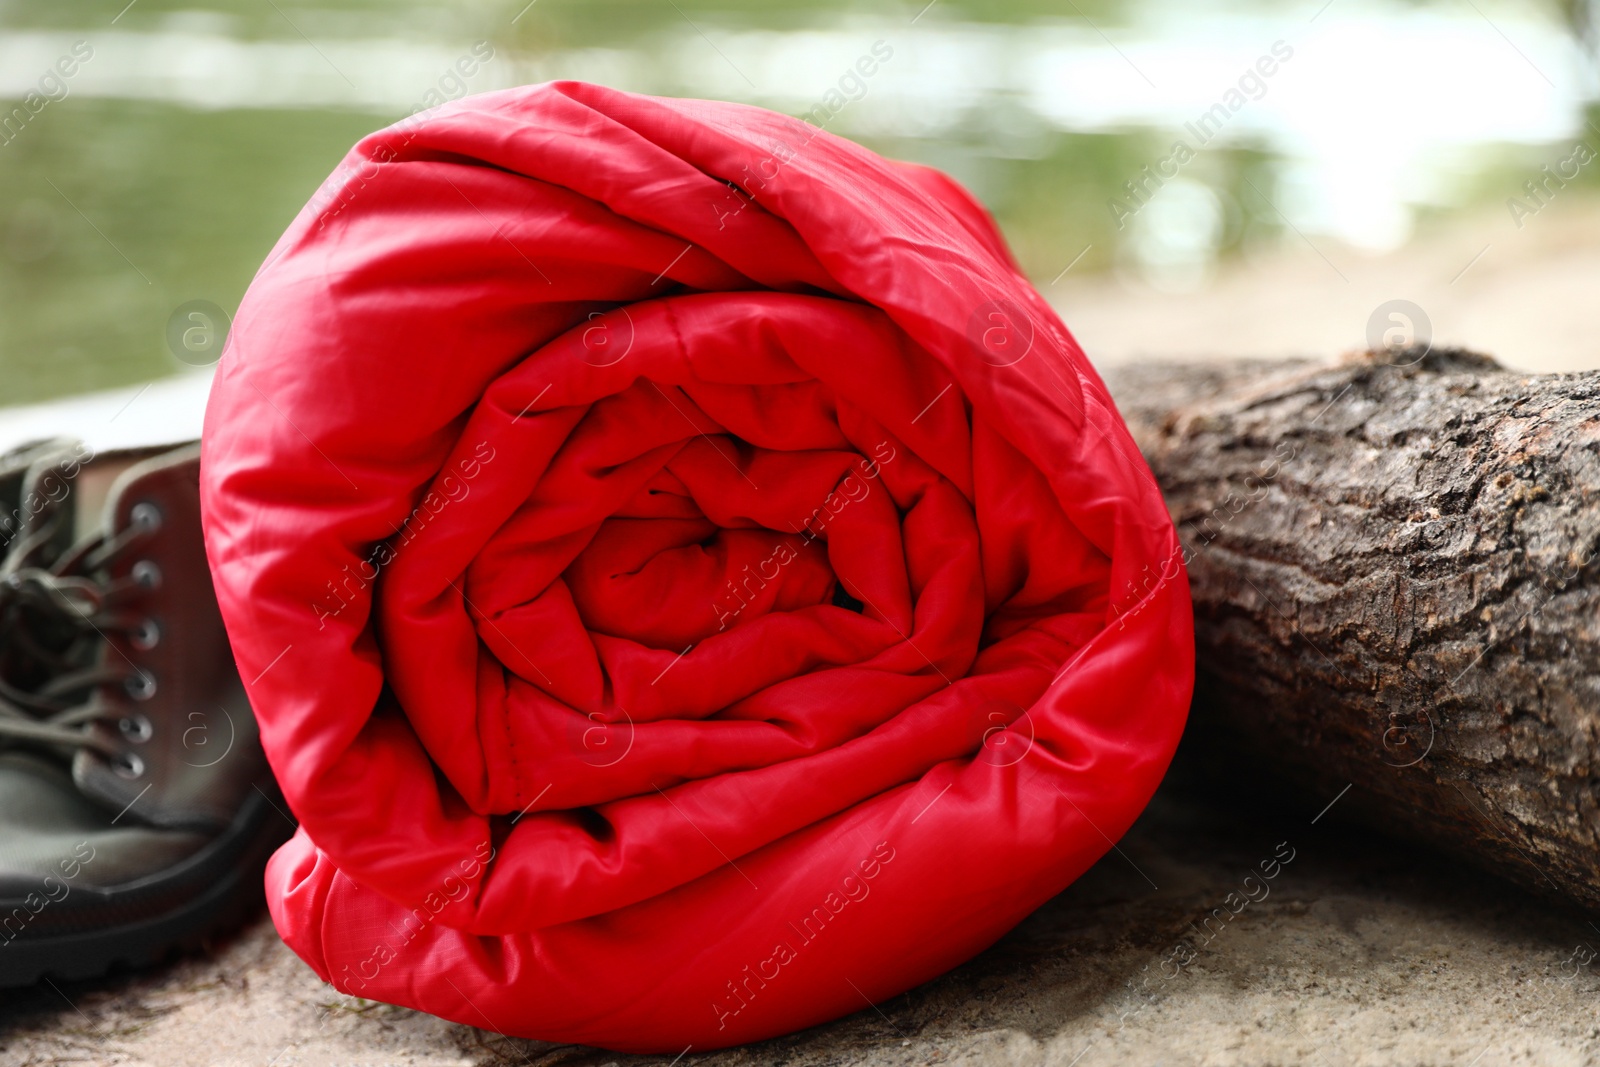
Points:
(1526, 297)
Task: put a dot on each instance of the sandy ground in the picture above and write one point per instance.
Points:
(1363, 951)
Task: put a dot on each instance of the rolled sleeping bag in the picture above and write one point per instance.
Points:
(691, 585)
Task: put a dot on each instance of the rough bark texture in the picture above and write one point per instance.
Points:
(1394, 569)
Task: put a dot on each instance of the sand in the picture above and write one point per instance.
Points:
(1363, 951)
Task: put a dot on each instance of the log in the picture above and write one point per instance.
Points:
(1393, 562)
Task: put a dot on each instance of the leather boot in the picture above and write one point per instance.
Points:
(136, 807)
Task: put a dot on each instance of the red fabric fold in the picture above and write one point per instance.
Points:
(688, 579)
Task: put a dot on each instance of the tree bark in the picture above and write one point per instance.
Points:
(1393, 561)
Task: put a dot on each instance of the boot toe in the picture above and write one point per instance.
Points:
(54, 840)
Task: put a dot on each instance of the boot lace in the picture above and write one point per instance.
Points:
(54, 620)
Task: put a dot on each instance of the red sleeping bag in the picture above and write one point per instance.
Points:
(691, 585)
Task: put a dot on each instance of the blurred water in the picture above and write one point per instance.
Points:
(163, 166)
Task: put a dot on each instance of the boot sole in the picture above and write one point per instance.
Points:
(229, 870)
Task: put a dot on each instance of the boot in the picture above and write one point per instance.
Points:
(136, 807)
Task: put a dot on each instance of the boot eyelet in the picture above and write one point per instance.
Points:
(141, 686)
(127, 765)
(146, 516)
(147, 636)
(147, 574)
(136, 728)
